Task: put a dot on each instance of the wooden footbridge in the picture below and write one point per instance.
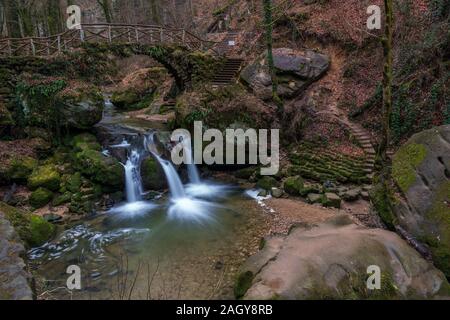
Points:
(102, 33)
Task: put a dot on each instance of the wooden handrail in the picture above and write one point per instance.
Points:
(96, 32)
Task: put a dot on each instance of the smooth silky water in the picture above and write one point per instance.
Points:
(187, 244)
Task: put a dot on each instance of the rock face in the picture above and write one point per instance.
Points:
(13, 277)
(421, 169)
(330, 261)
(295, 71)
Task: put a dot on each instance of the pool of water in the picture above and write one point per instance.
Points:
(154, 252)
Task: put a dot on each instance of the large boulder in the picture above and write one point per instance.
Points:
(54, 104)
(330, 261)
(32, 229)
(421, 169)
(91, 163)
(295, 71)
(82, 108)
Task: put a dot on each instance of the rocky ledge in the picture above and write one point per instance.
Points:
(13, 276)
(330, 261)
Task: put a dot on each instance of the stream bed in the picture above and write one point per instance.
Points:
(153, 255)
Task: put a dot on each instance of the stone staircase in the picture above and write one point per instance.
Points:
(228, 73)
(365, 141)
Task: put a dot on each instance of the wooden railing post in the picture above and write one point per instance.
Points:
(109, 34)
(33, 49)
(183, 37)
(161, 35)
(59, 43)
(9, 48)
(82, 35)
(48, 48)
(137, 34)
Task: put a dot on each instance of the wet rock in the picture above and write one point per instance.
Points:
(152, 174)
(295, 71)
(303, 265)
(263, 193)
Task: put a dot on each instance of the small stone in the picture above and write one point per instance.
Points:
(218, 265)
(314, 198)
(332, 200)
(365, 195)
(277, 193)
(351, 195)
(52, 218)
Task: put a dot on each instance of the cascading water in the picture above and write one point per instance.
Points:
(174, 181)
(133, 181)
(194, 177)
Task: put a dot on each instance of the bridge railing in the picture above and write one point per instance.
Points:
(102, 33)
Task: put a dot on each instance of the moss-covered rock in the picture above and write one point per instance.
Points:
(21, 168)
(152, 175)
(421, 170)
(104, 170)
(45, 176)
(267, 183)
(62, 199)
(33, 230)
(245, 173)
(406, 160)
(82, 107)
(85, 141)
(40, 197)
(293, 185)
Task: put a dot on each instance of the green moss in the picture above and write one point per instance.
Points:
(32, 229)
(105, 171)
(294, 185)
(440, 215)
(382, 200)
(62, 199)
(267, 183)
(243, 283)
(85, 141)
(22, 168)
(406, 160)
(40, 197)
(46, 177)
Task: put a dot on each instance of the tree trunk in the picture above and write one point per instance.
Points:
(387, 82)
(268, 22)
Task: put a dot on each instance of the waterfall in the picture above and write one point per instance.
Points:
(133, 181)
(175, 185)
(174, 181)
(194, 177)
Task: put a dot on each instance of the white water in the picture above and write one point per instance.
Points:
(175, 185)
(194, 177)
(123, 144)
(133, 181)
